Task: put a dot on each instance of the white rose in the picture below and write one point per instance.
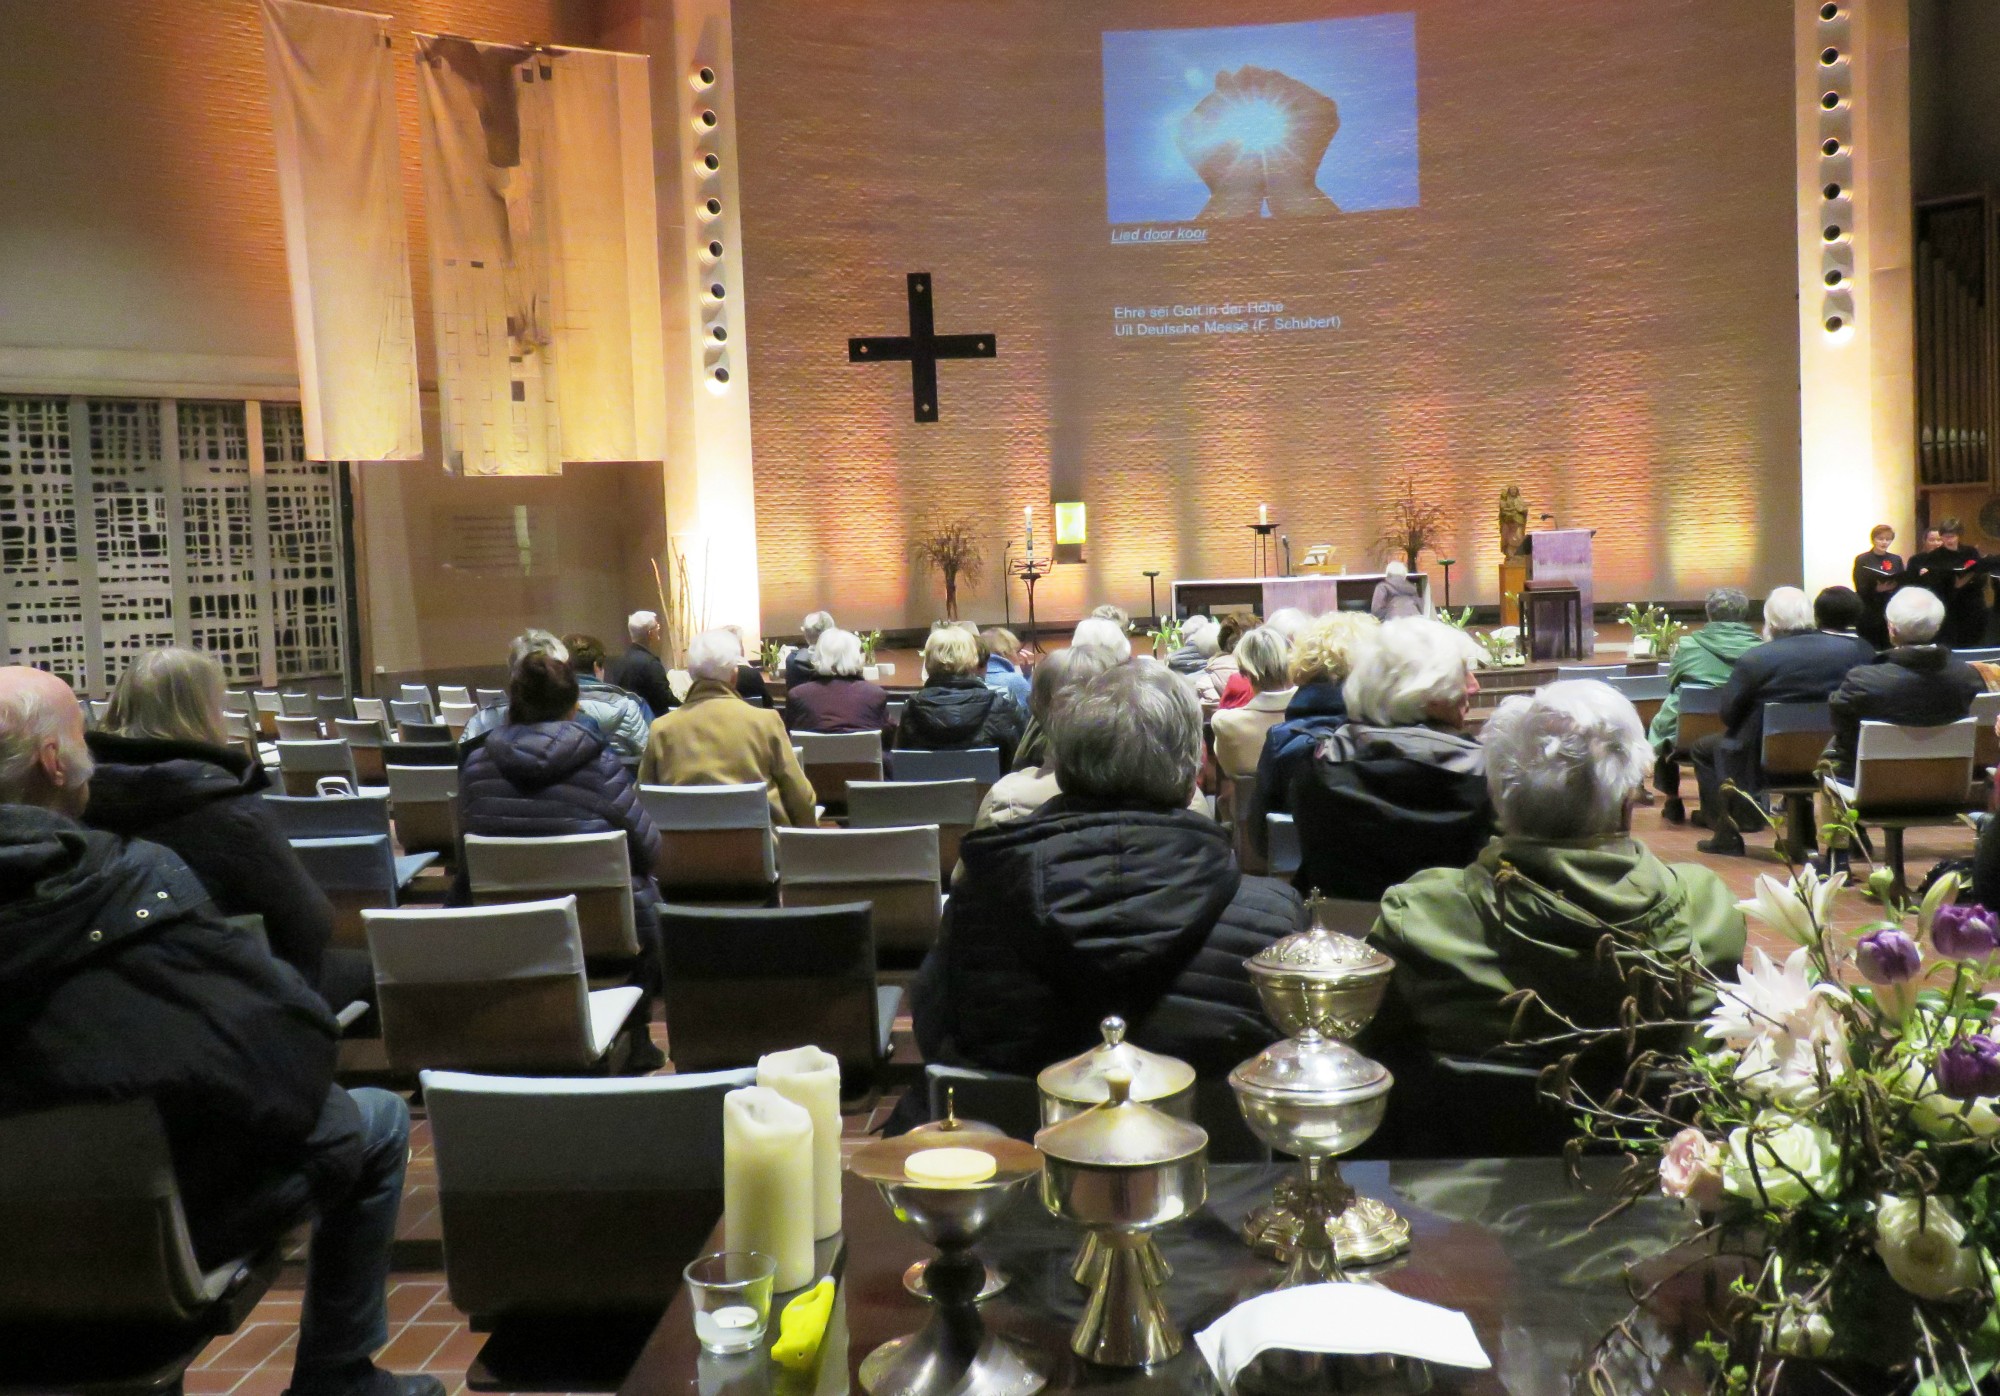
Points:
(1923, 1245)
(1802, 1332)
(1794, 1161)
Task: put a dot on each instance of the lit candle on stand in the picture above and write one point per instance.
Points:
(1028, 518)
(767, 1182)
(810, 1078)
(1263, 513)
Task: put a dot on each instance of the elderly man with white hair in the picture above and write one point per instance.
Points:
(119, 980)
(802, 663)
(1531, 912)
(1401, 785)
(1916, 682)
(1801, 662)
(639, 671)
(715, 737)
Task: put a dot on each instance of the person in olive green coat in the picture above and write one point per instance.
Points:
(1704, 659)
(1563, 767)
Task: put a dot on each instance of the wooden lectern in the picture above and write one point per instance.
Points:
(1560, 616)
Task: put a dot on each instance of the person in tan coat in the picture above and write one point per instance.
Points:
(1262, 656)
(716, 738)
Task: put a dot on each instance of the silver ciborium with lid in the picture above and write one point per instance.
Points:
(1120, 1170)
(1314, 1097)
(1073, 1086)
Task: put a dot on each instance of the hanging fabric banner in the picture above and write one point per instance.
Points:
(611, 363)
(544, 272)
(333, 114)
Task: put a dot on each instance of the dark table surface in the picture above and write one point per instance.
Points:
(1508, 1242)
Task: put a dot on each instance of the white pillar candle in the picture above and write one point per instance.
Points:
(767, 1181)
(810, 1078)
(1263, 513)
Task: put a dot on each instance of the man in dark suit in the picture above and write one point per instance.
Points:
(1915, 682)
(1810, 652)
(638, 671)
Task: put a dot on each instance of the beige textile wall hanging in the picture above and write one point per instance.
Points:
(333, 114)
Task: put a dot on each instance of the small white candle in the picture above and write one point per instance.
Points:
(729, 1329)
(810, 1078)
(1263, 513)
(767, 1181)
(1028, 518)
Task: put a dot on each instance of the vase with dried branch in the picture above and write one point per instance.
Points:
(950, 547)
(1416, 524)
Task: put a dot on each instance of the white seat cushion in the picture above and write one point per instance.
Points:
(609, 1008)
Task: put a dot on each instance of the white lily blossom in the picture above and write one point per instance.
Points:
(1798, 910)
(1782, 1025)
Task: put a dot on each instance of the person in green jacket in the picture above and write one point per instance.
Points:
(1704, 659)
(1530, 913)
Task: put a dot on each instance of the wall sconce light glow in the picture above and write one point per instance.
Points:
(1070, 524)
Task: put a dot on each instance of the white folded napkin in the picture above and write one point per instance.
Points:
(1350, 1318)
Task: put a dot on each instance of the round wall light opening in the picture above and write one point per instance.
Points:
(715, 249)
(1829, 12)
(722, 375)
(1829, 148)
(704, 77)
(1832, 192)
(1834, 324)
(714, 206)
(1834, 278)
(719, 334)
(709, 118)
(712, 161)
(718, 290)
(1830, 100)
(1829, 56)
(1831, 233)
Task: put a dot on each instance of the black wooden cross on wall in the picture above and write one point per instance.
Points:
(923, 347)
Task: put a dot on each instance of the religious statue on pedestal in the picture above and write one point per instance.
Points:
(1513, 522)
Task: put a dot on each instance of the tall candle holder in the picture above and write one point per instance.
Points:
(1031, 570)
(1260, 548)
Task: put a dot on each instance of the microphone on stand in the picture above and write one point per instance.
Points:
(1285, 539)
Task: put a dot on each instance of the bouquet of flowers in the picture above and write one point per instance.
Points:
(1836, 1126)
(1653, 631)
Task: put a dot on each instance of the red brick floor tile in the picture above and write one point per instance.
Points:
(456, 1354)
(408, 1298)
(271, 1379)
(210, 1381)
(254, 1342)
(411, 1348)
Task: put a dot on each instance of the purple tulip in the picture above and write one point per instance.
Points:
(1887, 957)
(1969, 1067)
(1964, 932)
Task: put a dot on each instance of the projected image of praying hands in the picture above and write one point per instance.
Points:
(1258, 139)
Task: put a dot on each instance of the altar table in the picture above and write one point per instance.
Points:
(1508, 1242)
(1314, 593)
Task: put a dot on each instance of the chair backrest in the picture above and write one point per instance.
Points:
(1986, 712)
(236, 700)
(489, 697)
(979, 763)
(94, 1230)
(268, 700)
(1795, 738)
(360, 732)
(424, 802)
(593, 869)
(456, 715)
(416, 693)
(318, 817)
(372, 709)
(1700, 714)
(358, 874)
(952, 805)
(331, 707)
(403, 710)
(1565, 672)
(423, 753)
(1233, 807)
(896, 869)
(809, 970)
(892, 713)
(100, 708)
(831, 759)
(303, 763)
(1914, 769)
(1281, 838)
(713, 838)
(482, 988)
(1978, 656)
(242, 729)
(453, 693)
(423, 732)
(575, 1196)
(299, 729)
(297, 705)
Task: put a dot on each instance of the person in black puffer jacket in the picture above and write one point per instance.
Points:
(1113, 899)
(120, 982)
(955, 710)
(166, 773)
(545, 773)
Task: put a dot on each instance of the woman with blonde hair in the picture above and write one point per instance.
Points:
(955, 710)
(167, 773)
(1319, 663)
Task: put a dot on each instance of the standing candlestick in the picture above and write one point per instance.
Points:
(810, 1079)
(1263, 513)
(1028, 518)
